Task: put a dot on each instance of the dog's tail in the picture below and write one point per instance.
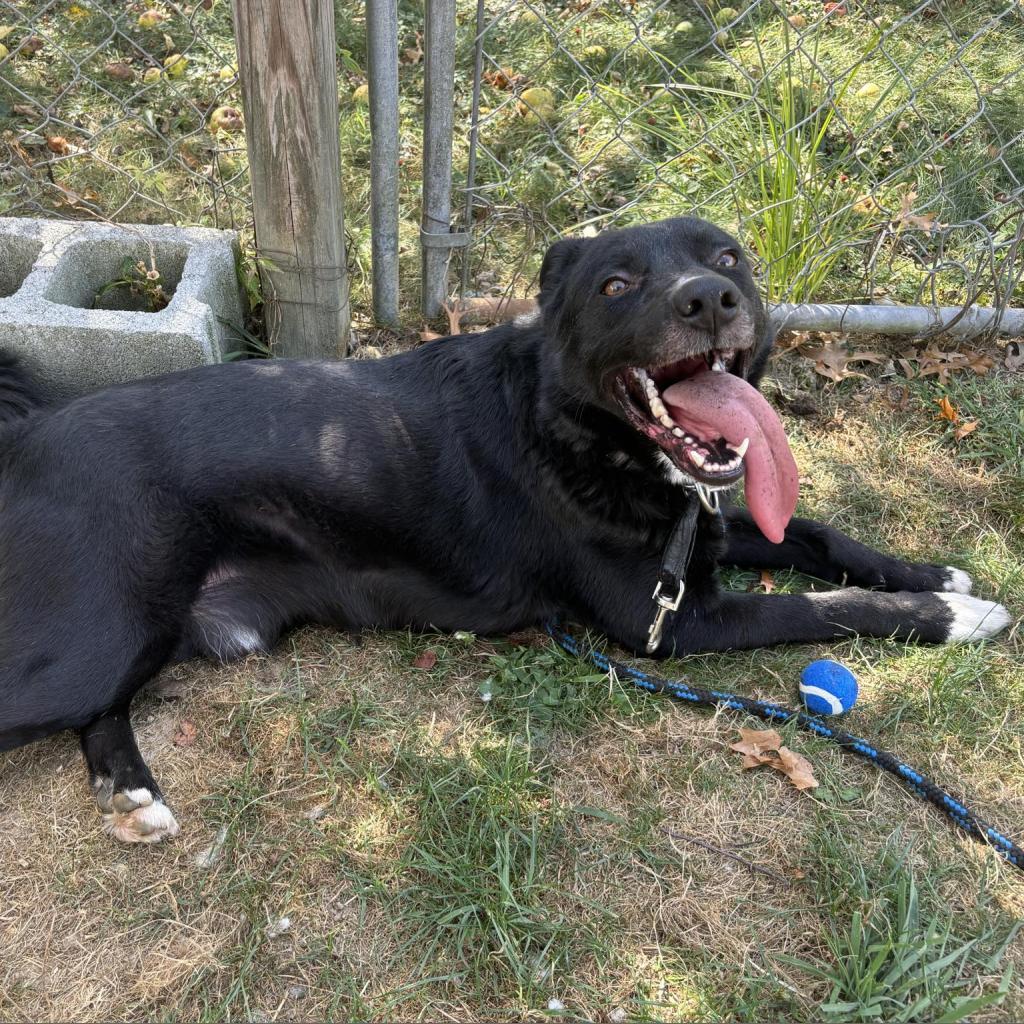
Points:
(20, 395)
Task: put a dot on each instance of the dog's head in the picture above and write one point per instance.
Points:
(662, 326)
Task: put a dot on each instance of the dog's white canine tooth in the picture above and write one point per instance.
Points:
(658, 408)
(741, 449)
(697, 458)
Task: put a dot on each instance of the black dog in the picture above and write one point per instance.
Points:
(488, 483)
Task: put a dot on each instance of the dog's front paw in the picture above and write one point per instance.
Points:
(957, 581)
(972, 618)
(136, 816)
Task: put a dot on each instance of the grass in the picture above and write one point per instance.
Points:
(441, 855)
(891, 963)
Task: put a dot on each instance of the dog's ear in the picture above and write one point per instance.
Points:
(557, 261)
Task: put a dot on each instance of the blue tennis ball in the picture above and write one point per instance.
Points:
(828, 688)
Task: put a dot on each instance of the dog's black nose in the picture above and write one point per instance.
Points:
(706, 302)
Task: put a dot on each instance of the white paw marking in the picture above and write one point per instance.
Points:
(973, 618)
(959, 582)
(148, 822)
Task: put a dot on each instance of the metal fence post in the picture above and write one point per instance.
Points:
(436, 235)
(382, 47)
(286, 62)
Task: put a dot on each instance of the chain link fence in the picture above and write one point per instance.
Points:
(864, 152)
(120, 111)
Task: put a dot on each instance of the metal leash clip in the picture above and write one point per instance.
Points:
(709, 499)
(665, 605)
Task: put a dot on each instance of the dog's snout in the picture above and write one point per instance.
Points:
(706, 302)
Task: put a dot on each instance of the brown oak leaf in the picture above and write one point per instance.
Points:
(832, 361)
(426, 660)
(764, 746)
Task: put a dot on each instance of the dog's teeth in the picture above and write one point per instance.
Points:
(698, 458)
(658, 408)
(718, 366)
(677, 432)
(689, 440)
(666, 421)
(741, 449)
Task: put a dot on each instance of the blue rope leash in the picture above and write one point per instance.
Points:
(957, 812)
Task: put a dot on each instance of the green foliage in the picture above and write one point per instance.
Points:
(141, 282)
(896, 964)
(543, 689)
(800, 220)
(477, 868)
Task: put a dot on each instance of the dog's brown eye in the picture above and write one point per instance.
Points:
(728, 259)
(614, 286)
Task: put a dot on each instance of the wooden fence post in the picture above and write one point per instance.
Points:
(286, 63)
(436, 237)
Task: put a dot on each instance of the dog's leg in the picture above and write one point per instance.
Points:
(739, 621)
(128, 797)
(827, 554)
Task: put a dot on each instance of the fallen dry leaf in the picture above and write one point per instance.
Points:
(185, 735)
(832, 361)
(756, 741)
(414, 54)
(766, 584)
(947, 410)
(70, 198)
(965, 428)
(867, 206)
(31, 45)
(797, 769)
(906, 216)
(764, 746)
(502, 78)
(426, 660)
(58, 144)
(934, 362)
(119, 70)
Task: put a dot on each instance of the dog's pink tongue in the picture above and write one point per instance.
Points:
(715, 404)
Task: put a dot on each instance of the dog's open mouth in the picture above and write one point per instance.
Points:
(715, 428)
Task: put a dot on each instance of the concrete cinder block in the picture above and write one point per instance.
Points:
(51, 272)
